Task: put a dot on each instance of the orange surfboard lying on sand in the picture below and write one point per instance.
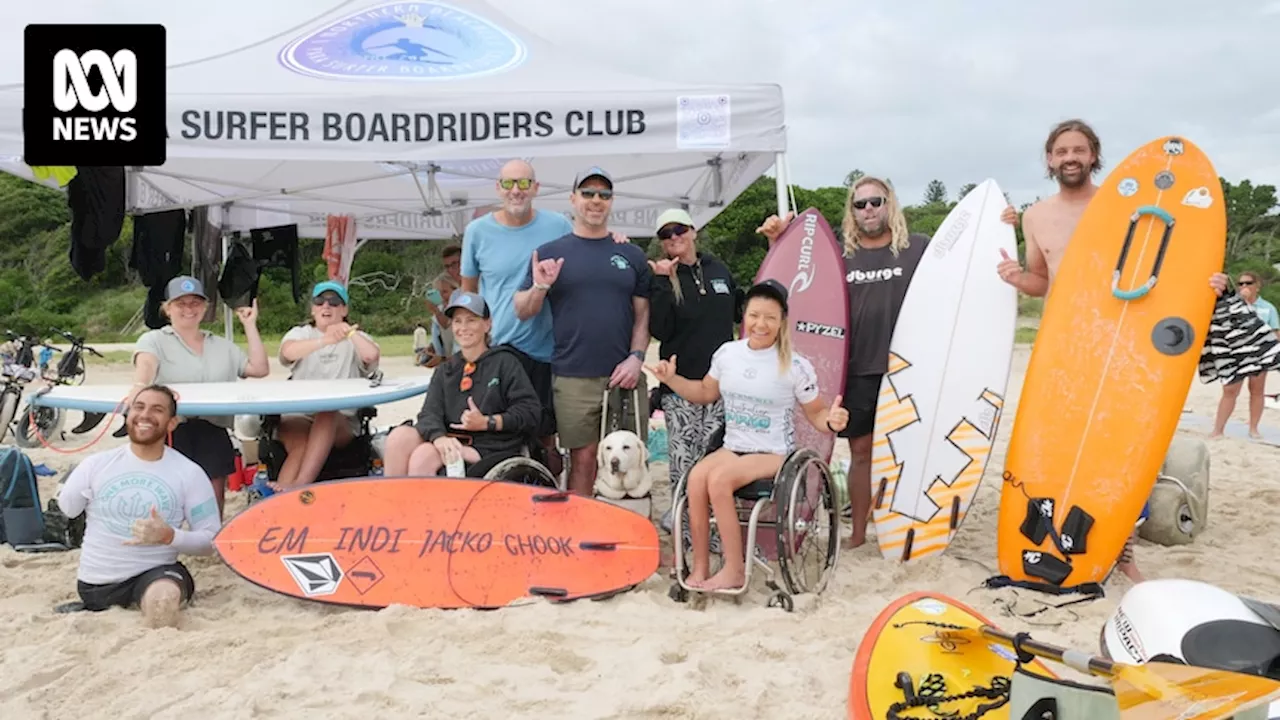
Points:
(437, 542)
(1116, 352)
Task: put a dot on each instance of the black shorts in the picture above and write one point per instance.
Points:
(207, 445)
(128, 593)
(861, 394)
(540, 375)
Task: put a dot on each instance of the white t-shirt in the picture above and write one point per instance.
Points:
(116, 487)
(759, 402)
(339, 361)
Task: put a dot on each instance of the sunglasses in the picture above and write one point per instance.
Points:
(874, 202)
(591, 194)
(671, 231)
(1244, 282)
(330, 300)
(467, 370)
(522, 183)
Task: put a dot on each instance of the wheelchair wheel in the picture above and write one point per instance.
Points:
(809, 527)
(524, 471)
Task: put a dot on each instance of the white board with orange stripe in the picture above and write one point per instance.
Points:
(942, 399)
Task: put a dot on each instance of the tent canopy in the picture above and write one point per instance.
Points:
(402, 113)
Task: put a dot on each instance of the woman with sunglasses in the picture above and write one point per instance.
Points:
(480, 408)
(693, 305)
(1250, 286)
(327, 347)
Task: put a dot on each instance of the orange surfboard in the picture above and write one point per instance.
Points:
(1115, 355)
(933, 639)
(437, 542)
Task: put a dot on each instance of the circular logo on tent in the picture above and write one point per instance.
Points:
(417, 41)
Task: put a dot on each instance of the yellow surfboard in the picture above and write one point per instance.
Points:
(1114, 357)
(913, 648)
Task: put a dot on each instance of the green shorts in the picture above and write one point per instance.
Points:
(579, 406)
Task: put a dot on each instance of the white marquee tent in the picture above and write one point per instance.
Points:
(401, 113)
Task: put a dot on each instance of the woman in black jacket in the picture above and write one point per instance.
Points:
(480, 407)
(693, 305)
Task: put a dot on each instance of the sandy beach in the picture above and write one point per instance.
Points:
(244, 652)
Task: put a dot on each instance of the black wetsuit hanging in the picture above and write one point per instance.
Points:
(96, 199)
(158, 240)
(278, 247)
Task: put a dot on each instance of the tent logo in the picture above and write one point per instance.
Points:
(414, 41)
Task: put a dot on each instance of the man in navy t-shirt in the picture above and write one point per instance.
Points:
(599, 295)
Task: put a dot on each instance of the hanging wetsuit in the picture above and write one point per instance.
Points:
(158, 240)
(278, 247)
(206, 257)
(96, 199)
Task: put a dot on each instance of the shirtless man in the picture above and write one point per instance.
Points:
(1073, 154)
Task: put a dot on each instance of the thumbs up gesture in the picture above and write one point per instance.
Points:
(472, 419)
(837, 416)
(152, 530)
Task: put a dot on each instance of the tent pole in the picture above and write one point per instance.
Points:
(226, 247)
(780, 173)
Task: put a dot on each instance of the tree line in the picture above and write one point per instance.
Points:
(38, 288)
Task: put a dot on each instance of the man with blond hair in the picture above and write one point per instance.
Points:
(880, 257)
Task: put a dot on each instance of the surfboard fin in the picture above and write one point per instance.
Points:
(1075, 531)
(1045, 566)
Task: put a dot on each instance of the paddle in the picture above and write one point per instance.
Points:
(1158, 690)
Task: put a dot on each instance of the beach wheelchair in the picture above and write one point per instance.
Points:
(792, 518)
(356, 459)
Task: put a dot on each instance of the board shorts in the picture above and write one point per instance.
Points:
(540, 376)
(861, 395)
(580, 409)
(207, 445)
(128, 593)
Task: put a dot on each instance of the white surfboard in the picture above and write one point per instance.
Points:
(248, 397)
(941, 401)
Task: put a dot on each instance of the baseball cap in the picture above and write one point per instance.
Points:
(333, 287)
(590, 173)
(468, 300)
(770, 288)
(184, 285)
(674, 215)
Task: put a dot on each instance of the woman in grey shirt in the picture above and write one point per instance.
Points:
(183, 353)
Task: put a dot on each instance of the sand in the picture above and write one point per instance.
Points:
(244, 652)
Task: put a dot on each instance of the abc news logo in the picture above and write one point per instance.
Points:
(94, 95)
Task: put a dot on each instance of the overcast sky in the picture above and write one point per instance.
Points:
(960, 91)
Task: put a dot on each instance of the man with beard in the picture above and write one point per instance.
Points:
(1073, 154)
(880, 257)
(598, 293)
(495, 259)
(136, 497)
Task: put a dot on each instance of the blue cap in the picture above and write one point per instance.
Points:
(333, 287)
(184, 285)
(591, 172)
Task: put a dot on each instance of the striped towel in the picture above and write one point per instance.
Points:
(1239, 343)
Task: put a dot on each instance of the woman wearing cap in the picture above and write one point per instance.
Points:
(181, 352)
(325, 348)
(760, 380)
(693, 305)
(480, 407)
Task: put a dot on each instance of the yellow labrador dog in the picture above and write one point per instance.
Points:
(622, 466)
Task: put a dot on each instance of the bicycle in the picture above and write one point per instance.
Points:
(18, 371)
(70, 371)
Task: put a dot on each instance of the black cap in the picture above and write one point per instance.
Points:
(770, 288)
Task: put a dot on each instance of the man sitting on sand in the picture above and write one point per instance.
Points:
(135, 497)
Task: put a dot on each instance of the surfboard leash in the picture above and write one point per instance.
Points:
(35, 428)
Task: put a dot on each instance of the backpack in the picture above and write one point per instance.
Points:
(21, 519)
(23, 524)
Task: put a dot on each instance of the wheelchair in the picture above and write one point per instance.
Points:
(357, 459)
(782, 515)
